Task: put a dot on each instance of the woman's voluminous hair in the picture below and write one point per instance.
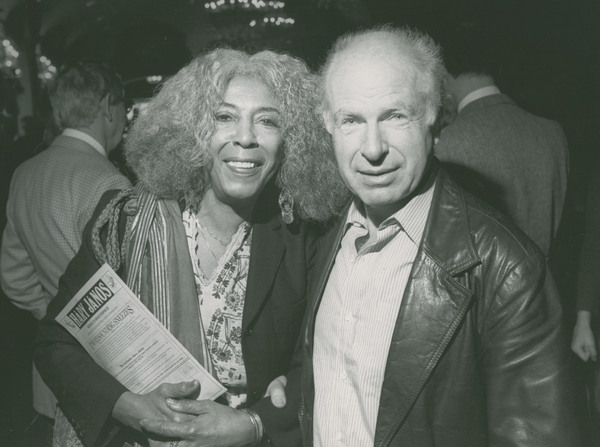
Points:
(169, 144)
(77, 91)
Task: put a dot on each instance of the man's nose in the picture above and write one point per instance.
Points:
(374, 147)
(245, 135)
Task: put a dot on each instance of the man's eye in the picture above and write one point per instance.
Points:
(398, 117)
(347, 121)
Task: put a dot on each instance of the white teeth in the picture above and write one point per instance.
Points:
(242, 164)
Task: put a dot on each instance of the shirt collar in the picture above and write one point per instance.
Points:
(412, 217)
(477, 94)
(356, 214)
(74, 133)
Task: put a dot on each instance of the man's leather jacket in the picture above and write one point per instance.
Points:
(478, 355)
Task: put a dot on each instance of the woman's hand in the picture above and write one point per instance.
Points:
(130, 408)
(212, 425)
(583, 343)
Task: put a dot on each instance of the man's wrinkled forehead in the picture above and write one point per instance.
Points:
(378, 45)
(357, 66)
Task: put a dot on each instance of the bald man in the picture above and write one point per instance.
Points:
(435, 321)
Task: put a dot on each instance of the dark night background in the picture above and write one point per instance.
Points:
(548, 50)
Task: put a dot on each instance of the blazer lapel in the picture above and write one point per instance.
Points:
(433, 306)
(267, 252)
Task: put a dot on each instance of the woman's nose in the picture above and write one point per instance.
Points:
(245, 135)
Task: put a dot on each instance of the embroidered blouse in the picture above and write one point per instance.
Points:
(221, 300)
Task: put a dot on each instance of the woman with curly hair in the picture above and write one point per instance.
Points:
(203, 243)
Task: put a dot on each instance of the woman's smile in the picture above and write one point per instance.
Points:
(243, 166)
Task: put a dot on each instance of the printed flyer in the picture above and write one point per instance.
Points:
(123, 337)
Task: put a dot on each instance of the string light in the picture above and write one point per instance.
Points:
(46, 70)
(272, 8)
(154, 79)
(9, 62)
(9, 59)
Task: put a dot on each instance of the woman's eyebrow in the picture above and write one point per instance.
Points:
(259, 109)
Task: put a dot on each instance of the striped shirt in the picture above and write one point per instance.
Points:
(356, 320)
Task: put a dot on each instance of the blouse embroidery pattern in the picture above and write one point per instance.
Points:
(221, 300)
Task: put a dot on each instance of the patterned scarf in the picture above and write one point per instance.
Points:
(158, 270)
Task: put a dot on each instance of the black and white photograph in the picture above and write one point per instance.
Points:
(299, 223)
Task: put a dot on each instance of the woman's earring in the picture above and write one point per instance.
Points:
(286, 203)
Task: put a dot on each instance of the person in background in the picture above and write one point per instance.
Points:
(584, 342)
(512, 159)
(53, 195)
(588, 286)
(225, 157)
(433, 321)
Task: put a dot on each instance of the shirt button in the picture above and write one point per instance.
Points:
(348, 317)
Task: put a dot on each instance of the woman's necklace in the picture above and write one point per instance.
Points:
(207, 243)
(203, 229)
(208, 259)
(210, 240)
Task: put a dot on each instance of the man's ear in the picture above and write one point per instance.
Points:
(107, 108)
(327, 120)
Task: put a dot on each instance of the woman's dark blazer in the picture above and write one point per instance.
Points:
(280, 259)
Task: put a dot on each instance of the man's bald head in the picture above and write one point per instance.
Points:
(407, 49)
